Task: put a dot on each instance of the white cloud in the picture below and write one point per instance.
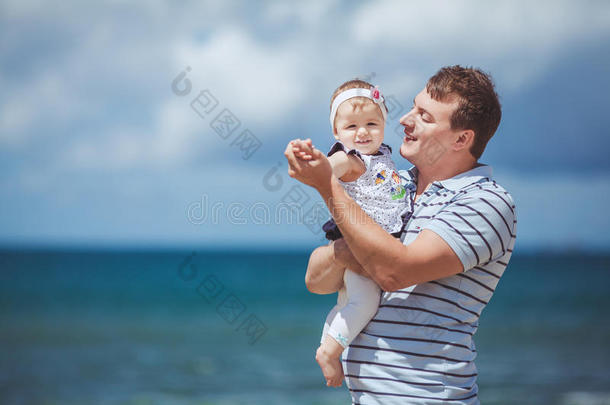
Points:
(176, 136)
(516, 40)
(14, 119)
(125, 64)
(308, 14)
(268, 64)
(487, 27)
(32, 107)
(259, 82)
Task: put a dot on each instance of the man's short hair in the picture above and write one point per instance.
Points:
(478, 107)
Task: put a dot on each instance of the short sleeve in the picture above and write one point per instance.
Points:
(478, 226)
(338, 146)
(388, 149)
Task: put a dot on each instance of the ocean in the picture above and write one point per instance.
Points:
(234, 327)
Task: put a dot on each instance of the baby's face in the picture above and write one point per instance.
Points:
(360, 129)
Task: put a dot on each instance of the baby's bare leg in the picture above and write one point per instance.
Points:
(328, 357)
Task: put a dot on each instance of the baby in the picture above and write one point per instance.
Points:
(364, 167)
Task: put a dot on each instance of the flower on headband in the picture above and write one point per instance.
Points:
(376, 94)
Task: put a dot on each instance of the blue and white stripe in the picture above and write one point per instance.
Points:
(419, 347)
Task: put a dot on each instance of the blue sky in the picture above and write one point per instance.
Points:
(96, 148)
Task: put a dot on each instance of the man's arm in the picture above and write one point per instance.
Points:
(387, 261)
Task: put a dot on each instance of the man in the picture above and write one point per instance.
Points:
(456, 243)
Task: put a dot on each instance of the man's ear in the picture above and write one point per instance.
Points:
(464, 140)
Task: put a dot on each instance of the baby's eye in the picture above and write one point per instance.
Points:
(350, 126)
(372, 123)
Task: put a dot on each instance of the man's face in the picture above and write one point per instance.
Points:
(428, 133)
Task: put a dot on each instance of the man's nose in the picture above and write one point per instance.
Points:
(407, 120)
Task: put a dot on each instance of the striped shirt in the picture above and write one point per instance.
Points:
(419, 348)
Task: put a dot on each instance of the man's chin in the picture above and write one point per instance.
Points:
(406, 155)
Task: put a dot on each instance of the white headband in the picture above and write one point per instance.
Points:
(373, 93)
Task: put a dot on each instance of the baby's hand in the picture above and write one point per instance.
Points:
(302, 149)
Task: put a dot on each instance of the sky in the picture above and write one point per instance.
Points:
(104, 143)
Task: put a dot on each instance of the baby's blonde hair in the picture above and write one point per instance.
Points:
(357, 102)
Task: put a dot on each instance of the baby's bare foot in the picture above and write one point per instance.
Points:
(331, 368)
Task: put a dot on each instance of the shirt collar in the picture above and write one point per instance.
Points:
(412, 174)
(461, 180)
(467, 178)
(409, 178)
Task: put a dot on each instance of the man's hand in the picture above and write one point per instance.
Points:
(315, 172)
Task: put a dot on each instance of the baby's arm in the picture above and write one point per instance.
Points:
(346, 167)
(324, 273)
